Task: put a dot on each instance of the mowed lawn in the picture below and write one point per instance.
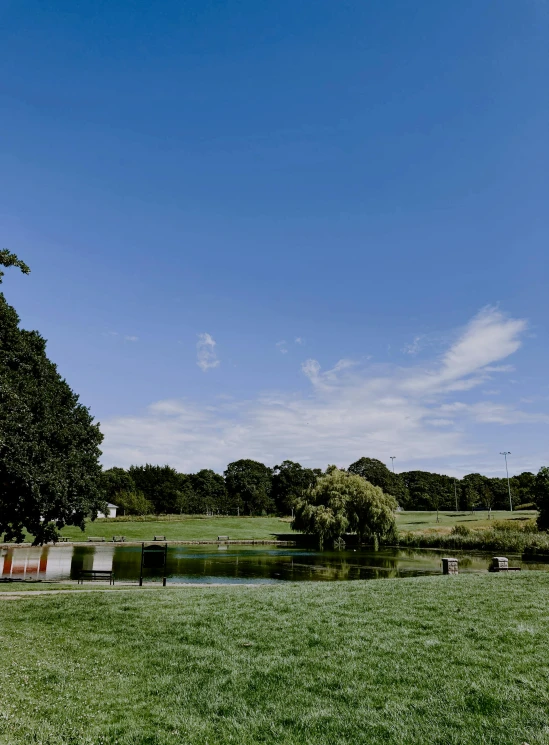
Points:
(182, 528)
(192, 528)
(427, 521)
(438, 660)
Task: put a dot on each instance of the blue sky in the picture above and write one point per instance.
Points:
(310, 230)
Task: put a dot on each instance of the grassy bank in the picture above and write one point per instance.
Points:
(426, 522)
(408, 662)
(197, 527)
(181, 528)
(515, 541)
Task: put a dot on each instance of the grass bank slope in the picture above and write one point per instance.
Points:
(426, 522)
(439, 660)
(183, 528)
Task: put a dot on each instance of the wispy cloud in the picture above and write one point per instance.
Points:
(414, 347)
(206, 356)
(298, 340)
(281, 346)
(348, 410)
(131, 338)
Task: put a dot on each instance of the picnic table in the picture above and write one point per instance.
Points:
(96, 539)
(119, 538)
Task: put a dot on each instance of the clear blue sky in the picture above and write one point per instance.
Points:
(369, 178)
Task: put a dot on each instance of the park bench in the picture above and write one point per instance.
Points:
(160, 538)
(96, 539)
(119, 538)
(222, 537)
(95, 574)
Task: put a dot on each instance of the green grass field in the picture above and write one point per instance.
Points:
(426, 661)
(427, 521)
(183, 528)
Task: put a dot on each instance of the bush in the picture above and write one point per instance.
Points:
(461, 530)
(515, 541)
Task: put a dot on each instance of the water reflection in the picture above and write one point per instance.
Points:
(234, 564)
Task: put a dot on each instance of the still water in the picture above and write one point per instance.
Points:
(238, 564)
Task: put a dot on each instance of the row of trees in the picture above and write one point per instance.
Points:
(248, 487)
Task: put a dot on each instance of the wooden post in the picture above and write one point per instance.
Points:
(165, 563)
(449, 565)
(141, 568)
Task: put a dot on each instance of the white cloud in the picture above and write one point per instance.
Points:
(131, 338)
(414, 347)
(206, 356)
(349, 410)
(281, 345)
(298, 340)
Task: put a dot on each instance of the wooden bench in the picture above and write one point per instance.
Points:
(160, 538)
(119, 538)
(95, 574)
(96, 539)
(222, 537)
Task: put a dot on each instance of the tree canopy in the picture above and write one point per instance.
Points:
(49, 443)
(378, 474)
(342, 502)
(541, 488)
(249, 485)
(290, 480)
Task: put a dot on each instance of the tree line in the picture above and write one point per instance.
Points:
(248, 487)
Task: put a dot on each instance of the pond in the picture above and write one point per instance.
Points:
(235, 564)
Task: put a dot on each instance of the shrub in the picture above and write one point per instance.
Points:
(461, 530)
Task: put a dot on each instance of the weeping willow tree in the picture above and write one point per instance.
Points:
(341, 502)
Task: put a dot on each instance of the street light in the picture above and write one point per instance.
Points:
(505, 454)
(393, 461)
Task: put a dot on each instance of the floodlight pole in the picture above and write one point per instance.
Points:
(505, 454)
(392, 457)
(456, 493)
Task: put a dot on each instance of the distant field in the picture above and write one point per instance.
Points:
(191, 528)
(183, 528)
(427, 521)
(194, 528)
(426, 661)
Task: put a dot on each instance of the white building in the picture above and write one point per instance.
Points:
(111, 511)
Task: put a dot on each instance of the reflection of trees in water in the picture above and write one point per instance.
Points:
(82, 558)
(241, 563)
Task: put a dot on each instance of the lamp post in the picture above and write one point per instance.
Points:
(456, 493)
(393, 461)
(505, 454)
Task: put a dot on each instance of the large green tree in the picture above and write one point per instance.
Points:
(168, 490)
(378, 474)
(341, 502)
(541, 490)
(209, 492)
(249, 485)
(290, 480)
(49, 443)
